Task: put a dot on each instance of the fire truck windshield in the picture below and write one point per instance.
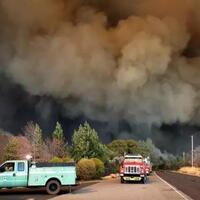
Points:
(133, 159)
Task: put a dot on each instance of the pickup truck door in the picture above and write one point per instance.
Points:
(7, 175)
(21, 174)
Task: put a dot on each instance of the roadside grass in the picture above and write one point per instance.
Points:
(195, 171)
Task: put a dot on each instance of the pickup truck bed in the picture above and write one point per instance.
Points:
(42, 172)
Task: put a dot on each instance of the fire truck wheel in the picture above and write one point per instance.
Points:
(144, 180)
(122, 180)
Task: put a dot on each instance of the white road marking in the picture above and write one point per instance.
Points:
(176, 190)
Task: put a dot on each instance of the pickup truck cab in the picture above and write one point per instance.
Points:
(22, 173)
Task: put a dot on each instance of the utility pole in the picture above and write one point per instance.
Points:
(192, 150)
(184, 159)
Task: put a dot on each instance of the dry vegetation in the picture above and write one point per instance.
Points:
(111, 176)
(195, 171)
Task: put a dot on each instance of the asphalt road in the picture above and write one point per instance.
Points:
(36, 194)
(155, 189)
(23, 194)
(190, 185)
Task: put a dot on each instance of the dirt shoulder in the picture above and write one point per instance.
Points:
(194, 171)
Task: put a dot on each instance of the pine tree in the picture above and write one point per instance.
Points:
(58, 146)
(58, 132)
(37, 142)
(86, 144)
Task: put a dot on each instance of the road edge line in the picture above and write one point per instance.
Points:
(183, 195)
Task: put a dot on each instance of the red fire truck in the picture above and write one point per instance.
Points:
(133, 168)
(148, 166)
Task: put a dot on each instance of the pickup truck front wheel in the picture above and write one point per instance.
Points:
(53, 187)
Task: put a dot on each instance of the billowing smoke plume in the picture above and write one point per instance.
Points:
(110, 60)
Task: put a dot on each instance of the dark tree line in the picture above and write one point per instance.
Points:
(85, 144)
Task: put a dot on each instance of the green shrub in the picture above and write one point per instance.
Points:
(86, 169)
(112, 167)
(56, 160)
(100, 168)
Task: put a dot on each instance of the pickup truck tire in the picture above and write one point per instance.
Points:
(53, 187)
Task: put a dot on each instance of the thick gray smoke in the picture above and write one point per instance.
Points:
(132, 60)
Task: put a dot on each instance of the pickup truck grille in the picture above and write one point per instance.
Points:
(132, 170)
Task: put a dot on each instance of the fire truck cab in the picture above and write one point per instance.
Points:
(133, 169)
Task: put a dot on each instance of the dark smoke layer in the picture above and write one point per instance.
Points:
(134, 60)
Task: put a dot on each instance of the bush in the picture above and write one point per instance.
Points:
(56, 160)
(67, 159)
(112, 167)
(86, 169)
(100, 168)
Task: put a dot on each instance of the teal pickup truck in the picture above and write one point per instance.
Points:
(22, 173)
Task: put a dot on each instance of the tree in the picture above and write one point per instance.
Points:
(37, 142)
(121, 147)
(86, 144)
(118, 147)
(4, 139)
(144, 149)
(10, 151)
(133, 147)
(58, 142)
(24, 146)
(29, 131)
(58, 132)
(155, 153)
(33, 133)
